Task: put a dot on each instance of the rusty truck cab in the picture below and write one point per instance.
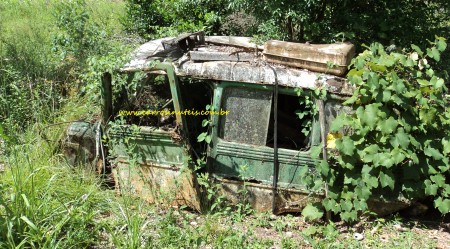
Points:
(263, 142)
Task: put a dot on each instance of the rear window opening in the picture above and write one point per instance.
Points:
(290, 125)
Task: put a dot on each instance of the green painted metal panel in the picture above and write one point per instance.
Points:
(236, 160)
(239, 160)
(153, 146)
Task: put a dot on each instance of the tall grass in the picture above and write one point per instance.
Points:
(44, 203)
(40, 62)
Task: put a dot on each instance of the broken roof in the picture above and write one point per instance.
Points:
(224, 58)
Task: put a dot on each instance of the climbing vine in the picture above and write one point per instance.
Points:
(398, 144)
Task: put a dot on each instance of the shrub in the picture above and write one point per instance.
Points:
(398, 144)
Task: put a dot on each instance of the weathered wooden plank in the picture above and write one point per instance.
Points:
(238, 41)
(326, 58)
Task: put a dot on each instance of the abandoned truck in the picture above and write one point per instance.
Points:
(258, 134)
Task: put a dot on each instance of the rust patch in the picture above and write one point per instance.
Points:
(290, 200)
(157, 184)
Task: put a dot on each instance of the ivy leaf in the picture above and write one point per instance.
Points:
(360, 205)
(430, 188)
(399, 86)
(386, 95)
(423, 82)
(366, 169)
(400, 139)
(438, 179)
(397, 155)
(371, 181)
(316, 150)
(345, 145)
(338, 123)
(202, 136)
(441, 45)
(369, 153)
(388, 126)
(363, 192)
(439, 83)
(311, 212)
(387, 179)
(434, 53)
(346, 205)
(324, 167)
(417, 49)
(386, 160)
(329, 204)
(443, 205)
(369, 116)
(446, 145)
(349, 216)
(432, 152)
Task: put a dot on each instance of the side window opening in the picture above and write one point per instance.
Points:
(294, 122)
(196, 95)
(250, 119)
(152, 93)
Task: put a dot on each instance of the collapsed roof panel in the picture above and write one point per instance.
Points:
(237, 59)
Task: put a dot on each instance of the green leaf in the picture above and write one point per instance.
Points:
(371, 181)
(439, 83)
(205, 122)
(399, 86)
(400, 139)
(346, 205)
(388, 126)
(366, 169)
(443, 205)
(386, 95)
(360, 205)
(312, 212)
(397, 155)
(441, 45)
(438, 179)
(349, 216)
(338, 123)
(371, 149)
(202, 137)
(363, 192)
(417, 49)
(409, 62)
(31, 224)
(351, 100)
(208, 139)
(446, 145)
(432, 152)
(423, 82)
(316, 150)
(324, 167)
(345, 145)
(430, 188)
(387, 179)
(369, 115)
(434, 53)
(329, 204)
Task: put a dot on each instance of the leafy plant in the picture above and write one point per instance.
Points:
(206, 136)
(398, 145)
